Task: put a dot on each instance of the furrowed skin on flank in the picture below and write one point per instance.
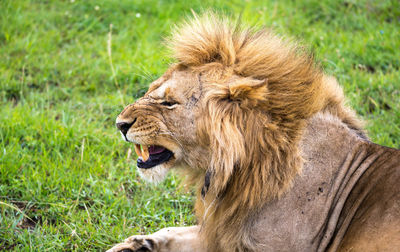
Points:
(239, 111)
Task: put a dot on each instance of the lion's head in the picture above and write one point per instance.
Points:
(162, 124)
(231, 113)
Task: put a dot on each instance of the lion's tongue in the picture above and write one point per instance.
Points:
(154, 149)
(145, 151)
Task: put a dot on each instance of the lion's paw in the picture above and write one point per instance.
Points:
(137, 243)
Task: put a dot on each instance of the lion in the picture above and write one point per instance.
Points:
(280, 162)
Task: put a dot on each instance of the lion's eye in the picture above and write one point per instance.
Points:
(168, 103)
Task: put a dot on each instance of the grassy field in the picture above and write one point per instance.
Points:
(66, 182)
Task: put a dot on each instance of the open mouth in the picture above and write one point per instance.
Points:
(152, 155)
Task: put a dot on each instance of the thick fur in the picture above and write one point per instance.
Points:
(248, 97)
(260, 93)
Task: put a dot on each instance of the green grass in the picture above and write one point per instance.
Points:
(63, 163)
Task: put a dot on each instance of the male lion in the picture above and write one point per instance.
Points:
(280, 162)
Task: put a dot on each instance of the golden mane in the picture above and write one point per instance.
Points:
(258, 93)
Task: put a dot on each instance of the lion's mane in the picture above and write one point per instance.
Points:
(258, 94)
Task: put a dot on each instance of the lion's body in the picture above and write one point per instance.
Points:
(281, 163)
(345, 197)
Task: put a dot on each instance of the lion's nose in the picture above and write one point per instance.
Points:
(124, 126)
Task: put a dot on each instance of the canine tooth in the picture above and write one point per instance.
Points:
(137, 150)
(145, 152)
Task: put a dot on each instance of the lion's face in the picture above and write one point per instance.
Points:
(161, 124)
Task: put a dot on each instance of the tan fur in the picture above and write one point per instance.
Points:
(259, 94)
(255, 94)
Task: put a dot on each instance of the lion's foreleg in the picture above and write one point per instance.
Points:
(184, 239)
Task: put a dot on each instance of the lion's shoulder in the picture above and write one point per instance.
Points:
(347, 183)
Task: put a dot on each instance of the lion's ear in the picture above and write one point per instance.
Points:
(248, 90)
